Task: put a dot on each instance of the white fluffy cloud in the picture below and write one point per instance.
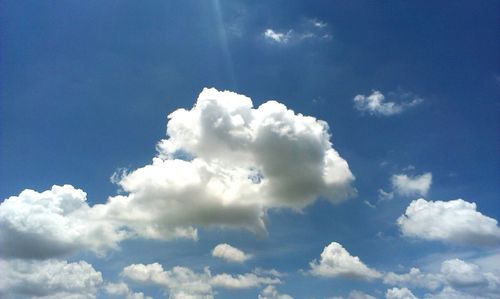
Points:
(402, 293)
(270, 292)
(454, 221)
(243, 161)
(230, 253)
(455, 276)
(121, 289)
(182, 282)
(336, 261)
(48, 279)
(58, 221)
(376, 104)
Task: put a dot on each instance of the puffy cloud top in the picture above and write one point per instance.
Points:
(336, 261)
(455, 221)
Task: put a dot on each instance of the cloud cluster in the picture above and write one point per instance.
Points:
(51, 278)
(242, 162)
(336, 261)
(230, 253)
(455, 221)
(375, 104)
(455, 276)
(182, 282)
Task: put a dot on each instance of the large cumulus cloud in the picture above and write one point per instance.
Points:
(223, 164)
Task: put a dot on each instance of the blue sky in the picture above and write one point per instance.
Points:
(409, 91)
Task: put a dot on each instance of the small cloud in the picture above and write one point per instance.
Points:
(311, 29)
(318, 23)
(376, 104)
(278, 37)
(230, 253)
(406, 185)
(366, 202)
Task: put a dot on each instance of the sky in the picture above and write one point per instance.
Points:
(237, 149)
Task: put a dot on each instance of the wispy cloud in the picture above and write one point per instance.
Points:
(376, 103)
(311, 29)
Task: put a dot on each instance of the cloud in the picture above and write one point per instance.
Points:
(244, 161)
(277, 37)
(309, 29)
(49, 278)
(122, 290)
(414, 278)
(412, 185)
(460, 274)
(335, 261)
(455, 275)
(375, 104)
(270, 292)
(449, 292)
(355, 294)
(230, 253)
(455, 221)
(402, 293)
(224, 164)
(181, 282)
(242, 281)
(59, 221)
